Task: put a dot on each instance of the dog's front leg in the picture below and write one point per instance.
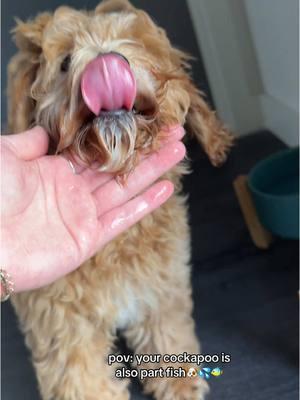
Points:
(69, 351)
(168, 330)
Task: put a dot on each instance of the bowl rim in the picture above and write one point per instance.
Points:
(273, 157)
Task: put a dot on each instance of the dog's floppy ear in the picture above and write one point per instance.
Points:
(188, 106)
(203, 123)
(109, 6)
(22, 70)
(28, 35)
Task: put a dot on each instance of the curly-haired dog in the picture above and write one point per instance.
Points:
(103, 83)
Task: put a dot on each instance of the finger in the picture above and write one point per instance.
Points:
(123, 217)
(77, 165)
(171, 134)
(112, 194)
(28, 145)
(95, 178)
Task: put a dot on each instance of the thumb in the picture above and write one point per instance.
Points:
(28, 145)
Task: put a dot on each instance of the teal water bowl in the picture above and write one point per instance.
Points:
(274, 185)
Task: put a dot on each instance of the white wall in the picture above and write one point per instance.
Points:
(274, 28)
(230, 61)
(250, 50)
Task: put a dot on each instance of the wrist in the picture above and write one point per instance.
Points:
(14, 261)
(10, 265)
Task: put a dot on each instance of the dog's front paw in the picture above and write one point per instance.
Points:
(193, 388)
(189, 388)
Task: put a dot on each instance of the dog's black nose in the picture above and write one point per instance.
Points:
(120, 55)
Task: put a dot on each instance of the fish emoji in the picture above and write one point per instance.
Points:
(216, 372)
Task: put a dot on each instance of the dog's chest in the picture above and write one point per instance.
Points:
(131, 305)
(128, 312)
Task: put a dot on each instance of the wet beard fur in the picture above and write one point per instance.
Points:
(113, 140)
(110, 139)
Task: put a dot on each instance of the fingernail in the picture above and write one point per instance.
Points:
(166, 187)
(172, 128)
(72, 167)
(178, 149)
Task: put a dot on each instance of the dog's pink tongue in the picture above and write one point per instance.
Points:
(107, 83)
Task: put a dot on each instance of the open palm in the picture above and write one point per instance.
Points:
(52, 219)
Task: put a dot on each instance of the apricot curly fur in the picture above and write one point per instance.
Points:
(140, 282)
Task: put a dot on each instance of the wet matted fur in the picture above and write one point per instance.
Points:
(140, 282)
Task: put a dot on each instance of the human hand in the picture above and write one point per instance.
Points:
(52, 220)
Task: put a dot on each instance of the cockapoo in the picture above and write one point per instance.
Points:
(103, 84)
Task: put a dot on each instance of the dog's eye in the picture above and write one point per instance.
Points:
(65, 64)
